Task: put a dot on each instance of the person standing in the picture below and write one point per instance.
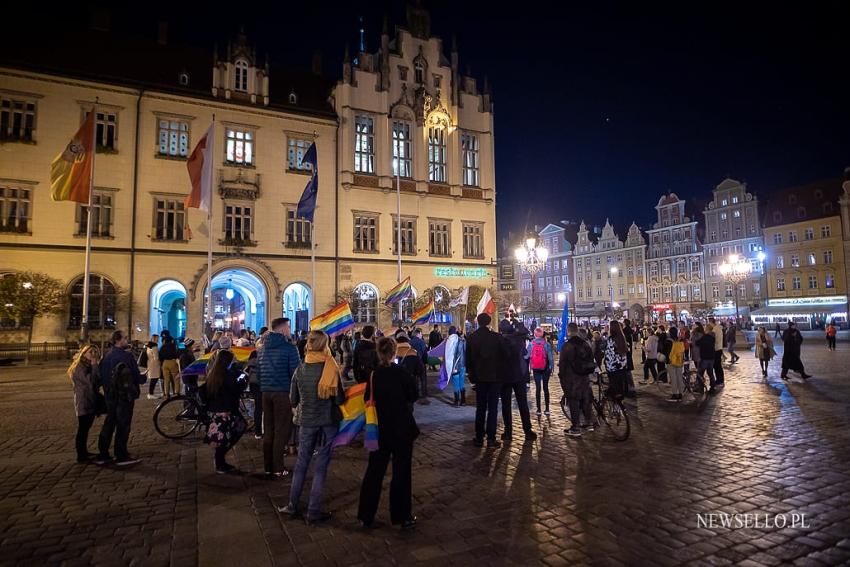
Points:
(717, 331)
(731, 338)
(121, 380)
(256, 393)
(410, 360)
(575, 366)
(705, 344)
(486, 355)
(277, 361)
(515, 379)
(347, 348)
(542, 361)
(675, 366)
(650, 349)
(151, 362)
(420, 345)
(458, 377)
(85, 378)
(434, 337)
(221, 392)
(830, 336)
(317, 391)
(764, 349)
(793, 340)
(615, 360)
(393, 390)
(168, 356)
(365, 357)
(777, 332)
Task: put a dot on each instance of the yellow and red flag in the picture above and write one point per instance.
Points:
(70, 172)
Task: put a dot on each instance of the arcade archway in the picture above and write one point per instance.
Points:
(168, 308)
(296, 306)
(239, 300)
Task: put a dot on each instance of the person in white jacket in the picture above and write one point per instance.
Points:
(650, 349)
(154, 367)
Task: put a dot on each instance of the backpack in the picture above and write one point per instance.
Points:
(583, 363)
(122, 379)
(539, 360)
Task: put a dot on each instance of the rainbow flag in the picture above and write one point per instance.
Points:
(335, 321)
(423, 315)
(199, 367)
(357, 416)
(402, 291)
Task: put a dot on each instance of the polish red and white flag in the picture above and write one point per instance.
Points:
(200, 166)
(486, 305)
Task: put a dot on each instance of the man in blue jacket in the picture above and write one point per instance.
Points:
(277, 361)
(121, 379)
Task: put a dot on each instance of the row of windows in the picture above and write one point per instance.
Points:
(796, 282)
(366, 231)
(681, 266)
(638, 256)
(679, 292)
(808, 234)
(588, 293)
(556, 281)
(730, 290)
(811, 259)
(724, 234)
(402, 152)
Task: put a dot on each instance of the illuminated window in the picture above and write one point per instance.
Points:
(437, 154)
(239, 147)
(241, 76)
(795, 260)
(15, 209)
(780, 284)
(401, 149)
(364, 144)
(471, 167)
(830, 280)
(17, 119)
(295, 155)
(364, 303)
(173, 138)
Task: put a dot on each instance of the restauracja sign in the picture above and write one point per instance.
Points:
(807, 301)
(447, 272)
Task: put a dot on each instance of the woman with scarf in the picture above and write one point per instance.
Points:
(84, 376)
(616, 361)
(222, 391)
(317, 389)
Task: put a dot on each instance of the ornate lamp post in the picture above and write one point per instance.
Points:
(736, 270)
(531, 257)
(611, 275)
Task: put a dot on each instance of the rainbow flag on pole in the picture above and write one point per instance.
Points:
(423, 315)
(199, 367)
(357, 416)
(402, 291)
(336, 320)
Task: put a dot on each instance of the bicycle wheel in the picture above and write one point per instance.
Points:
(615, 418)
(176, 417)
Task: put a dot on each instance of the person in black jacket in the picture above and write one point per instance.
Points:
(222, 391)
(393, 390)
(168, 356)
(516, 379)
(365, 358)
(486, 356)
(792, 339)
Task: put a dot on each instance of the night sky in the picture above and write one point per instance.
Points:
(598, 111)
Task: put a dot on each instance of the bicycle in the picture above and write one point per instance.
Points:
(179, 416)
(609, 411)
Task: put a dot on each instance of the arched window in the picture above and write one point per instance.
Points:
(241, 83)
(364, 303)
(419, 71)
(102, 303)
(442, 298)
(407, 309)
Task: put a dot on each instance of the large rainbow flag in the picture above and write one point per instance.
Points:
(335, 321)
(402, 291)
(357, 417)
(423, 315)
(199, 367)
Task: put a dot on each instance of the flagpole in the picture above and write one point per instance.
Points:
(210, 317)
(84, 327)
(398, 228)
(313, 268)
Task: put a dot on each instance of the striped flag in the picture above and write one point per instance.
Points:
(423, 315)
(200, 166)
(486, 305)
(334, 321)
(71, 171)
(402, 291)
(357, 416)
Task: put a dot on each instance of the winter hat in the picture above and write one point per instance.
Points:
(538, 332)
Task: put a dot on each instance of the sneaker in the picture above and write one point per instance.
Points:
(290, 509)
(673, 398)
(546, 412)
(101, 460)
(539, 412)
(258, 436)
(409, 523)
(573, 432)
(127, 461)
(318, 519)
(588, 428)
(643, 382)
(477, 442)
(151, 397)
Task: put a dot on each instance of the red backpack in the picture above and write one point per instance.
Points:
(539, 360)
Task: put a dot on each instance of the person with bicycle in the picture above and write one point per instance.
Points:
(575, 366)
(221, 393)
(616, 363)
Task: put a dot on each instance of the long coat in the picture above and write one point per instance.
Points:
(84, 379)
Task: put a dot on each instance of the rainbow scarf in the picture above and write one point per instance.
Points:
(423, 315)
(402, 291)
(358, 415)
(199, 367)
(335, 321)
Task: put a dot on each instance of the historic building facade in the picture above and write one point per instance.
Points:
(674, 265)
(732, 226)
(544, 294)
(609, 273)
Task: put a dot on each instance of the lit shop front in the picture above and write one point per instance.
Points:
(806, 312)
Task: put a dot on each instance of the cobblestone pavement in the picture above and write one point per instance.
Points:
(759, 447)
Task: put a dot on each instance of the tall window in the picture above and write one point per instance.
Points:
(813, 282)
(15, 209)
(295, 155)
(827, 256)
(419, 71)
(241, 76)
(238, 222)
(780, 261)
(830, 280)
(796, 282)
(809, 234)
(173, 138)
(792, 236)
(101, 215)
(364, 303)
(365, 232)
(437, 154)
(17, 119)
(471, 166)
(102, 303)
(408, 235)
(364, 144)
(756, 289)
(729, 290)
(715, 291)
(239, 146)
(169, 219)
(401, 149)
(106, 130)
(825, 231)
(438, 236)
(742, 290)
(812, 260)
(780, 284)
(297, 229)
(795, 260)
(473, 241)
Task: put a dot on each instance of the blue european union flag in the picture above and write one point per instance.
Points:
(565, 319)
(307, 204)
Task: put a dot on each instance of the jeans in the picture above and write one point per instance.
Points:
(519, 390)
(707, 365)
(119, 418)
(84, 423)
(257, 395)
(579, 395)
(541, 376)
(649, 365)
(718, 366)
(277, 425)
(401, 485)
(306, 443)
(676, 379)
(486, 407)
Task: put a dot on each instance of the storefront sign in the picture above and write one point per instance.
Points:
(807, 301)
(661, 306)
(447, 272)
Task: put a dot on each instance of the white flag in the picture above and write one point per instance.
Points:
(461, 299)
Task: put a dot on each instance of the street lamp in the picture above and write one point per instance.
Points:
(612, 272)
(735, 270)
(531, 257)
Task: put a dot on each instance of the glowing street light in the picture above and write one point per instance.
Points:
(736, 270)
(531, 257)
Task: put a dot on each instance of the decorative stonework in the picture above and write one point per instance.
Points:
(366, 180)
(472, 193)
(240, 187)
(437, 189)
(237, 262)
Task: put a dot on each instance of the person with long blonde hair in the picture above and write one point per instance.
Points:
(85, 378)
